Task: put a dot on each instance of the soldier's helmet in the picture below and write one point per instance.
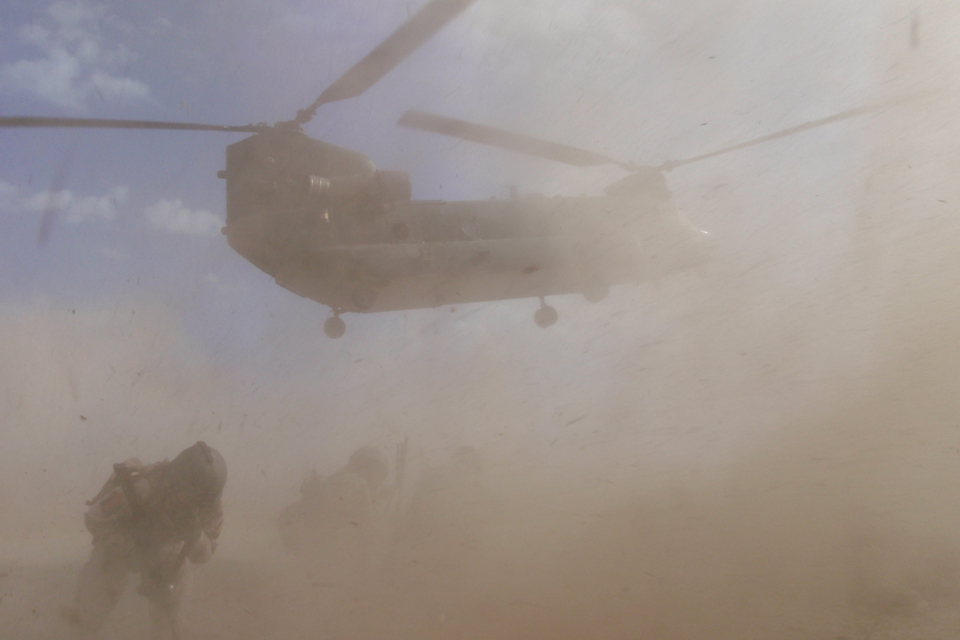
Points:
(371, 463)
(197, 476)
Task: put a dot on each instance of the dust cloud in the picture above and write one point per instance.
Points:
(771, 451)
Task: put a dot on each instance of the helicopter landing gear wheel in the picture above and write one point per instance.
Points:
(545, 316)
(334, 327)
(363, 297)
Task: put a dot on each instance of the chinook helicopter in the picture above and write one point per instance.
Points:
(326, 224)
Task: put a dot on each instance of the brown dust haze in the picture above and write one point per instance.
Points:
(770, 449)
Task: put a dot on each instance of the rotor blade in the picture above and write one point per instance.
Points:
(508, 140)
(20, 121)
(391, 52)
(806, 126)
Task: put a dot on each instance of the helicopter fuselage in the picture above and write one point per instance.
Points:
(328, 226)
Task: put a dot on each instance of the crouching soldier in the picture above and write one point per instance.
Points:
(152, 520)
(338, 515)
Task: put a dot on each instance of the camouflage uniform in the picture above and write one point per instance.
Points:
(149, 537)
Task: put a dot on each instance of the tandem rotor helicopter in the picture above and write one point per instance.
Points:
(327, 225)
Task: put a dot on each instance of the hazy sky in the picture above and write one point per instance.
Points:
(136, 282)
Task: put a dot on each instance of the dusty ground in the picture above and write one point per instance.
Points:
(744, 561)
(237, 599)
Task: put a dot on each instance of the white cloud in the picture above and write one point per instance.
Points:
(113, 88)
(80, 59)
(166, 215)
(54, 78)
(92, 207)
(75, 209)
(171, 215)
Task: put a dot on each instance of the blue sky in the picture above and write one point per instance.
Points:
(137, 255)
